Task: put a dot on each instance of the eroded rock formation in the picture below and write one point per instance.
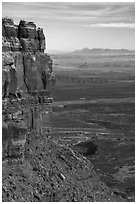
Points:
(27, 80)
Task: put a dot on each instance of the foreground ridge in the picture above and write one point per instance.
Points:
(53, 173)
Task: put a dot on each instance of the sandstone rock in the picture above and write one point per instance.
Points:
(7, 58)
(30, 73)
(16, 140)
(9, 28)
(9, 78)
(51, 81)
(16, 28)
(7, 21)
(44, 66)
(10, 31)
(42, 45)
(41, 35)
(41, 38)
(29, 45)
(12, 44)
(25, 36)
(44, 62)
(3, 31)
(6, 45)
(18, 62)
(15, 44)
(10, 34)
(27, 30)
(5, 81)
(13, 80)
(26, 71)
(4, 139)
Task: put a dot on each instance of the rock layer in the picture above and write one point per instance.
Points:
(26, 85)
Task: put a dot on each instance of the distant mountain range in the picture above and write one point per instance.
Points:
(104, 51)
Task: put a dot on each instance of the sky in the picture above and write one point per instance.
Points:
(71, 26)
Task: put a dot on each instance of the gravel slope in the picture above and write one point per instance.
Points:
(53, 173)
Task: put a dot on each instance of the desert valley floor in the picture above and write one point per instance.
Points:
(94, 114)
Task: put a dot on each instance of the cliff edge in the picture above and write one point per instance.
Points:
(35, 167)
(27, 81)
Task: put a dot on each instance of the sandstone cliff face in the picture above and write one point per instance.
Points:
(27, 79)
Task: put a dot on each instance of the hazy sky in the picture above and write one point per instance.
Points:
(70, 26)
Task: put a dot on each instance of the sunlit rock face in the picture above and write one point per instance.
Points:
(27, 81)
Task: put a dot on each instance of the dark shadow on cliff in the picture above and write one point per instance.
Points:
(86, 148)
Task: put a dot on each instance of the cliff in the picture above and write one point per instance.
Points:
(27, 80)
(35, 167)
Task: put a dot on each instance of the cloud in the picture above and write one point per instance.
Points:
(74, 12)
(111, 25)
(68, 25)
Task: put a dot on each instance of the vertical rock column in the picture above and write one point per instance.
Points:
(27, 99)
(14, 131)
(45, 112)
(14, 128)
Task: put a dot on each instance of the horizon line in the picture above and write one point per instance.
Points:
(89, 49)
